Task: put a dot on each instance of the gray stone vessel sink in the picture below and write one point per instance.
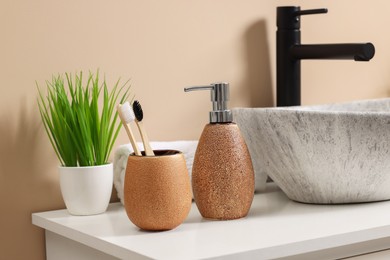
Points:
(326, 154)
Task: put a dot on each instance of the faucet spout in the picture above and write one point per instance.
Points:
(343, 51)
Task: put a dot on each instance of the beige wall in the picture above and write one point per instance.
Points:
(163, 46)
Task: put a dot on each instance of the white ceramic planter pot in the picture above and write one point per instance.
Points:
(86, 190)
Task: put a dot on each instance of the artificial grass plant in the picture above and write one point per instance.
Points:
(81, 132)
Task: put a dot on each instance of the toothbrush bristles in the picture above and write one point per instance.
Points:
(127, 112)
(139, 114)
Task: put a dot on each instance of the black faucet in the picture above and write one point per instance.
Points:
(290, 52)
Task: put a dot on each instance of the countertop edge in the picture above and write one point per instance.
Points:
(85, 239)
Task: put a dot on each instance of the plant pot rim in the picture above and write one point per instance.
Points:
(86, 167)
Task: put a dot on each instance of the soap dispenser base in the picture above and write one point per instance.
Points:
(222, 174)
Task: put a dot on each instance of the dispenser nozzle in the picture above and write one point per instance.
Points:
(211, 87)
(219, 97)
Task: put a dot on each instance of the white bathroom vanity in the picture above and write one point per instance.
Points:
(275, 227)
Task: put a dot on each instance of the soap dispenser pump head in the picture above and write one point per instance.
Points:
(219, 98)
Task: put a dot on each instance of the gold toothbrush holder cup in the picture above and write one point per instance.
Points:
(157, 190)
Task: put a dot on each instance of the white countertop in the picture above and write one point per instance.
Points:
(275, 227)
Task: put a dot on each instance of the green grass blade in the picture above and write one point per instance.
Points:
(80, 133)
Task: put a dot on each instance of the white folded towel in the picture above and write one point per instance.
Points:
(188, 148)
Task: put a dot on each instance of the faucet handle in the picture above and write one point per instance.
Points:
(311, 11)
(288, 17)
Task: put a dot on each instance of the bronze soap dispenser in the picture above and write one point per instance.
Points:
(222, 172)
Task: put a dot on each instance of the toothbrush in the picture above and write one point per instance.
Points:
(139, 115)
(126, 114)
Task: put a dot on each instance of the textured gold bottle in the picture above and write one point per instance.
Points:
(222, 173)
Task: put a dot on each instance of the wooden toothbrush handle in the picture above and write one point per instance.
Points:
(145, 139)
(128, 131)
(132, 140)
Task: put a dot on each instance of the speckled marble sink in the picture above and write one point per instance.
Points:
(326, 154)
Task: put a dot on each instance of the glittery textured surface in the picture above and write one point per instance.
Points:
(326, 154)
(222, 173)
(157, 190)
